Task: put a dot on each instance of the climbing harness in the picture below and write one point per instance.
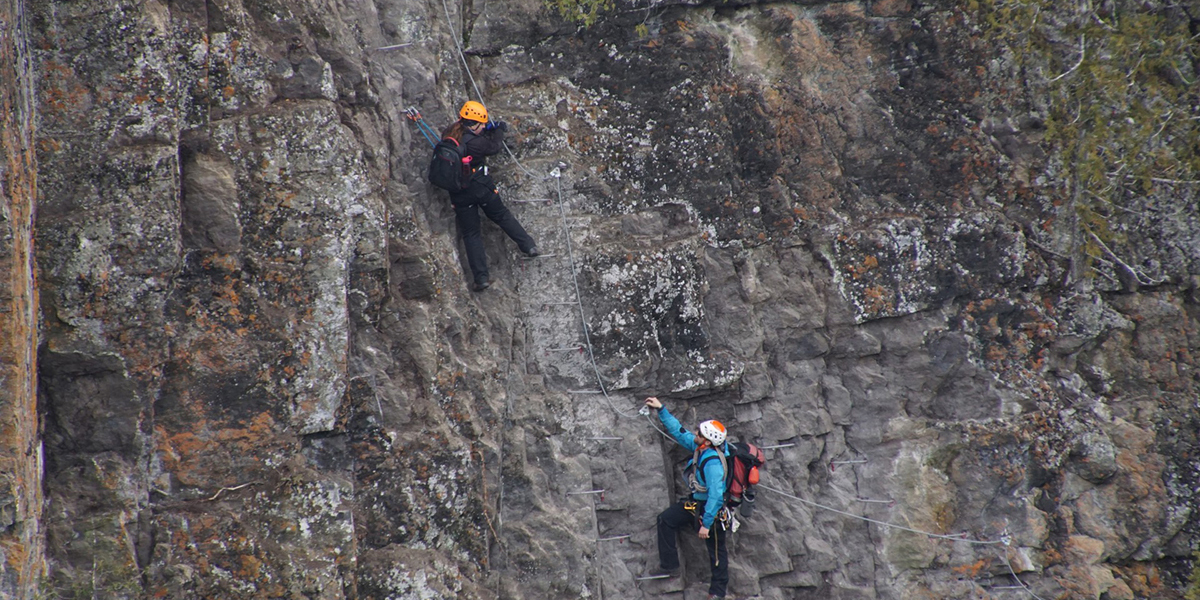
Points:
(725, 517)
(725, 521)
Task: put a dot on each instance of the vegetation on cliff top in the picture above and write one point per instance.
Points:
(1117, 81)
(584, 12)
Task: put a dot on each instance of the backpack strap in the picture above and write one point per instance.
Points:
(694, 479)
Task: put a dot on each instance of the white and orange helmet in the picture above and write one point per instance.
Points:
(713, 431)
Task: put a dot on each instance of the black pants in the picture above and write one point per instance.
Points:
(677, 518)
(466, 212)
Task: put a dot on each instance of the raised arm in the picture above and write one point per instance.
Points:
(684, 437)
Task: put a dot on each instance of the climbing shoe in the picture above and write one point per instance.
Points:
(533, 252)
(482, 284)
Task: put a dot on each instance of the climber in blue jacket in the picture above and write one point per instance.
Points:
(704, 503)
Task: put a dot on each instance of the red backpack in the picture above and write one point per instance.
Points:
(746, 459)
(742, 465)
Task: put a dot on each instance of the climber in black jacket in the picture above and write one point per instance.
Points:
(480, 138)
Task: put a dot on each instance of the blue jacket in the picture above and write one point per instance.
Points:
(713, 475)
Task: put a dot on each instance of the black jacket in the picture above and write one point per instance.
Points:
(479, 147)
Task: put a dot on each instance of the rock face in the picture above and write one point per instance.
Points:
(833, 226)
(22, 550)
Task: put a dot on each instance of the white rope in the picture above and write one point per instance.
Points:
(587, 337)
(566, 227)
(1003, 539)
(1014, 576)
(655, 426)
(462, 55)
(878, 522)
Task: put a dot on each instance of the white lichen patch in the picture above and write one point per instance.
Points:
(902, 266)
(420, 582)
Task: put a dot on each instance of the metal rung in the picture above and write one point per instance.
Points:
(834, 463)
(546, 255)
(588, 493)
(585, 392)
(535, 200)
(887, 502)
(570, 349)
(575, 303)
(777, 446)
(618, 537)
(605, 438)
(653, 577)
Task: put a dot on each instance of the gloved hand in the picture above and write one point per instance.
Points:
(501, 125)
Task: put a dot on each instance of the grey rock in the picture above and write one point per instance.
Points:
(855, 344)
(262, 372)
(309, 79)
(810, 345)
(210, 217)
(1094, 457)
(820, 555)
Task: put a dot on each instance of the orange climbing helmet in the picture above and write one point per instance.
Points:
(473, 111)
(713, 431)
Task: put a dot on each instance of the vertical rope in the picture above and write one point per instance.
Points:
(587, 337)
(462, 55)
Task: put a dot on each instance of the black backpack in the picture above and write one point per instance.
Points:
(449, 169)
